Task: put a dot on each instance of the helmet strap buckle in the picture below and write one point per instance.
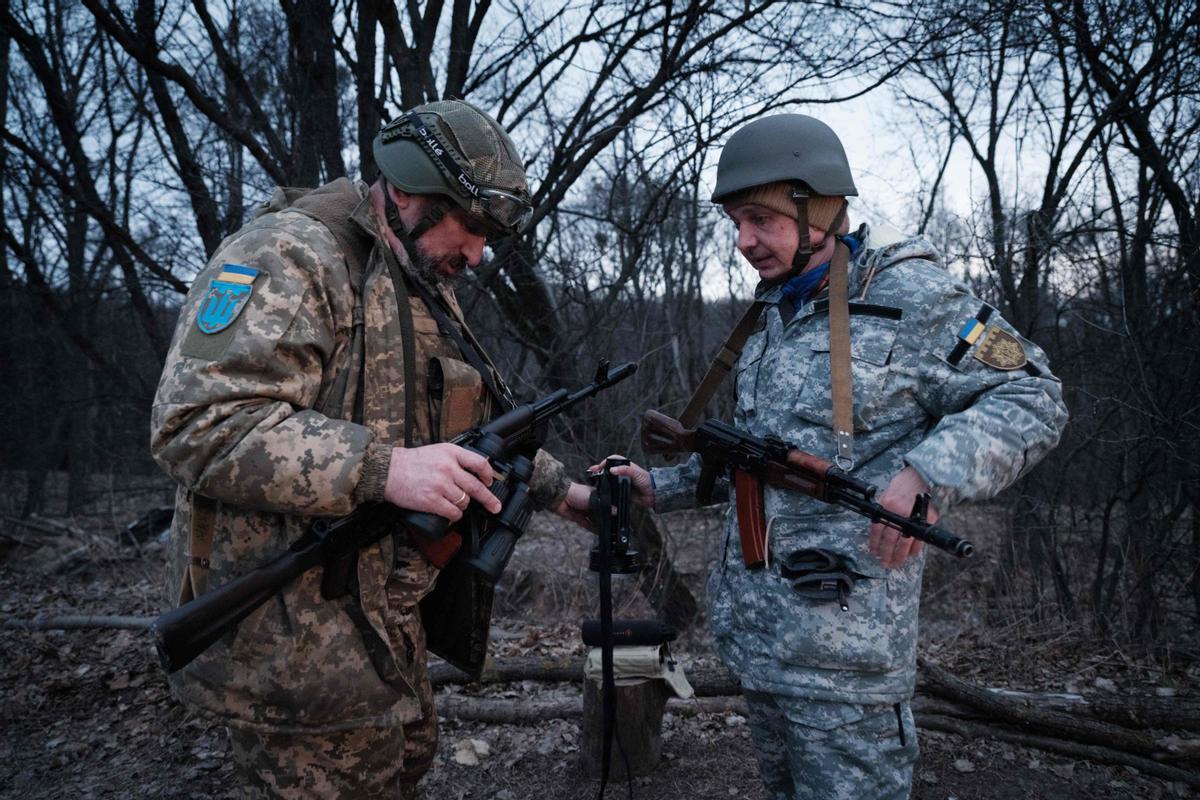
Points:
(804, 250)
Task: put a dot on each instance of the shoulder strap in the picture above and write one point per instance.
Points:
(332, 205)
(839, 354)
(407, 342)
(722, 362)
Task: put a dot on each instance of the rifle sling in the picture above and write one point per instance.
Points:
(407, 342)
(839, 350)
(721, 364)
(470, 349)
(203, 524)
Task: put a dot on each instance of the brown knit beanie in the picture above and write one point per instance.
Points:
(778, 197)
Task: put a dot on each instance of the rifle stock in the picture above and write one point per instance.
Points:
(662, 434)
(185, 632)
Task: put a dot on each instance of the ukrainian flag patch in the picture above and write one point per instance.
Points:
(227, 295)
(970, 331)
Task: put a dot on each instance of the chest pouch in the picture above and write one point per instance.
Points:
(456, 397)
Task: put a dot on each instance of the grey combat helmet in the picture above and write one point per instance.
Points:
(793, 148)
(785, 147)
(454, 150)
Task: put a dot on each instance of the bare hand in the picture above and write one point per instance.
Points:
(642, 485)
(439, 479)
(576, 506)
(886, 543)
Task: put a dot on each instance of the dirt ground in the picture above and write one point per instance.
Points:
(87, 714)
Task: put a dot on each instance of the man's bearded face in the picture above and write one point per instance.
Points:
(450, 246)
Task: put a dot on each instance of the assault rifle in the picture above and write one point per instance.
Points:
(507, 441)
(755, 460)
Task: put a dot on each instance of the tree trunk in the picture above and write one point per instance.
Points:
(637, 729)
(318, 141)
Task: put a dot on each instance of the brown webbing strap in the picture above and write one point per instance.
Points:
(839, 351)
(200, 542)
(724, 360)
(407, 343)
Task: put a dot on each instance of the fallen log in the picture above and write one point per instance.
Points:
(50, 526)
(512, 670)
(1128, 710)
(77, 621)
(708, 682)
(507, 711)
(1047, 721)
(1090, 752)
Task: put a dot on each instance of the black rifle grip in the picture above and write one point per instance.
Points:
(335, 580)
(708, 478)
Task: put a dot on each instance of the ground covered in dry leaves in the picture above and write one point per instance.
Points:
(86, 713)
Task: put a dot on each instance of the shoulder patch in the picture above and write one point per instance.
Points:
(968, 334)
(227, 295)
(1000, 349)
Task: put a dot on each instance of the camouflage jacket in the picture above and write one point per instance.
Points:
(922, 397)
(247, 416)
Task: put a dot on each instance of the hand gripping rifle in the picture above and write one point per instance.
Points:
(187, 631)
(754, 460)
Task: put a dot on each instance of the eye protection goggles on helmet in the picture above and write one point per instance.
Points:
(505, 211)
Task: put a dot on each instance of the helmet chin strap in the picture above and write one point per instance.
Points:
(437, 208)
(805, 249)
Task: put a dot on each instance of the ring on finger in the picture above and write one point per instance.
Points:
(463, 501)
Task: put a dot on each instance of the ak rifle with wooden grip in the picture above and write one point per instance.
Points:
(507, 442)
(754, 461)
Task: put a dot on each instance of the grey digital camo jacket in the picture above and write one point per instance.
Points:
(244, 416)
(922, 397)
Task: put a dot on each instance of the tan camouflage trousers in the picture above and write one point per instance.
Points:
(357, 763)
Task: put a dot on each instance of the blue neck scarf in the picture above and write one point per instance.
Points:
(802, 288)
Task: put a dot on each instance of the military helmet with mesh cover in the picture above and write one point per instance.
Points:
(453, 149)
(784, 147)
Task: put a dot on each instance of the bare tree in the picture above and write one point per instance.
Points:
(1096, 264)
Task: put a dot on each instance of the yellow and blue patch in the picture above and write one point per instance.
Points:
(968, 334)
(971, 330)
(227, 295)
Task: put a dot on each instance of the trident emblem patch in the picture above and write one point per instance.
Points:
(227, 296)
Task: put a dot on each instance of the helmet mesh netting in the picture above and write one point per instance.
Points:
(484, 148)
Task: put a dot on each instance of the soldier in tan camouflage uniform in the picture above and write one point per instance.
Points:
(947, 399)
(298, 385)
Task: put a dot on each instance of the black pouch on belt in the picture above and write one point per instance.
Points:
(820, 576)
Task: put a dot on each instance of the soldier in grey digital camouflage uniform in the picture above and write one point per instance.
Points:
(298, 385)
(948, 399)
